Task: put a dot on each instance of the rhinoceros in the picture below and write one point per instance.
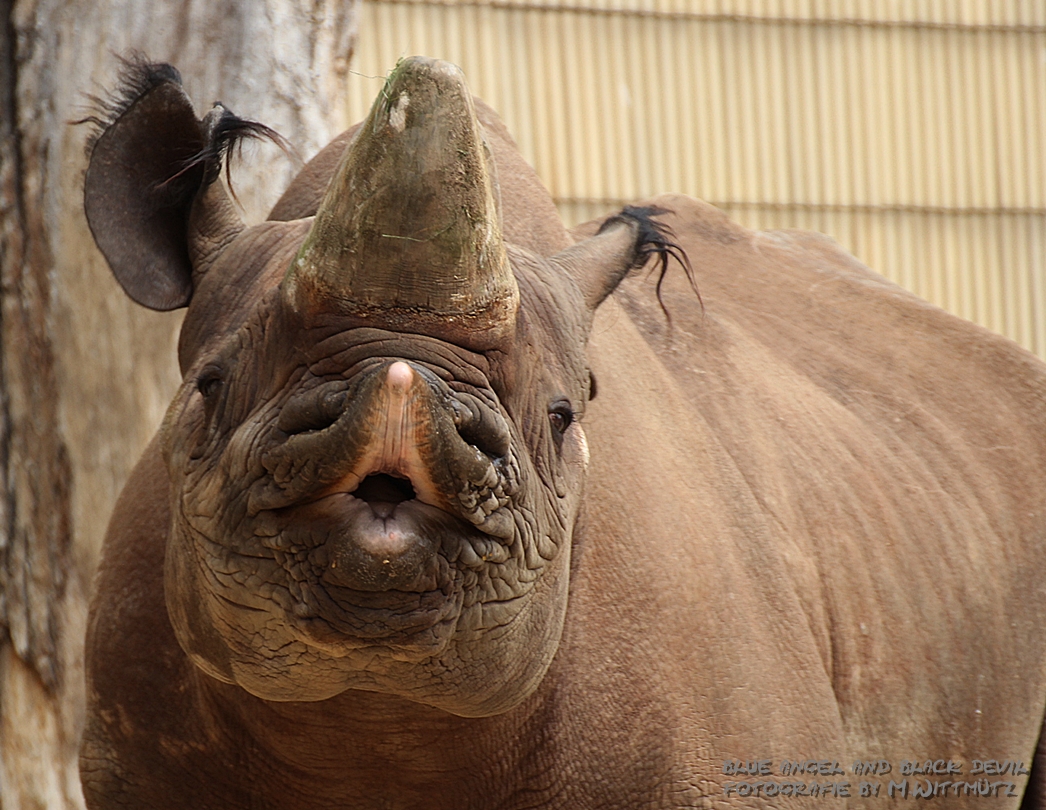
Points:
(455, 508)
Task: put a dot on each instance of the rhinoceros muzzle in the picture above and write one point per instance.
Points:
(390, 496)
(381, 478)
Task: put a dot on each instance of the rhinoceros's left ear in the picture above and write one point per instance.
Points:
(624, 242)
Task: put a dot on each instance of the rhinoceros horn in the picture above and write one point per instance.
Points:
(408, 236)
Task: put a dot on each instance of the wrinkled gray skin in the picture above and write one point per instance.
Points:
(368, 563)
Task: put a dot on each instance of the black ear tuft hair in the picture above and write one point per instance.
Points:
(656, 239)
(137, 76)
(225, 133)
(623, 242)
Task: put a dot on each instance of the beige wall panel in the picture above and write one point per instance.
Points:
(1036, 249)
(946, 14)
(712, 105)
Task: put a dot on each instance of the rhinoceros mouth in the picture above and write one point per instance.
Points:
(383, 491)
(376, 567)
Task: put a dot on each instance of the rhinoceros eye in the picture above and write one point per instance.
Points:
(210, 382)
(560, 415)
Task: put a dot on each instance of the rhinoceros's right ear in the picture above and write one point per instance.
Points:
(624, 242)
(136, 196)
(150, 194)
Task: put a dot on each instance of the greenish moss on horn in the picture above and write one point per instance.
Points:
(408, 235)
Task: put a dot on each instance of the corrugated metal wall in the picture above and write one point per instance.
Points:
(912, 131)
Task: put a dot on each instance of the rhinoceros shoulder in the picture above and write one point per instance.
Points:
(849, 477)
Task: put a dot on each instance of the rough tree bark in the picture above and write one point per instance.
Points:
(84, 374)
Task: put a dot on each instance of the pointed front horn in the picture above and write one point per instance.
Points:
(408, 236)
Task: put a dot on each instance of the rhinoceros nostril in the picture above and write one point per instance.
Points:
(317, 410)
(384, 488)
(480, 425)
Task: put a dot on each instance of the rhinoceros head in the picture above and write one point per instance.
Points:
(376, 457)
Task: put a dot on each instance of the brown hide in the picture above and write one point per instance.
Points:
(813, 529)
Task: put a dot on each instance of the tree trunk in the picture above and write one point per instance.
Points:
(86, 375)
